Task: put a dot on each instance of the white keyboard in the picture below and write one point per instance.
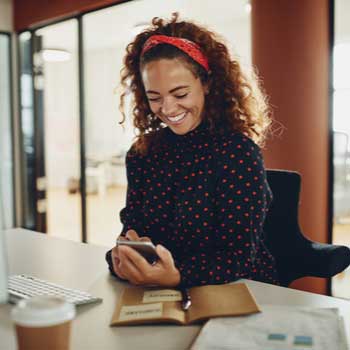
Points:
(24, 287)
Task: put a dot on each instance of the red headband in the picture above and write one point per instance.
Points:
(187, 46)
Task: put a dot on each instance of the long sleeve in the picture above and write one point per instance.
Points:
(131, 215)
(242, 198)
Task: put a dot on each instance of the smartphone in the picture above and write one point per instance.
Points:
(146, 249)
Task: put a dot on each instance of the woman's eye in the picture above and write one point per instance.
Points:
(181, 96)
(154, 99)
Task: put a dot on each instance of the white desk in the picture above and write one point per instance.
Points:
(83, 266)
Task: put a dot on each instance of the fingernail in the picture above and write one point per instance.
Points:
(161, 247)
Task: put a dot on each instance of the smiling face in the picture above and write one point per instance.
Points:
(174, 94)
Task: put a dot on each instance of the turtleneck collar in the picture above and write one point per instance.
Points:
(192, 136)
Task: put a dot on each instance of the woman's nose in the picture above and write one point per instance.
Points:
(168, 107)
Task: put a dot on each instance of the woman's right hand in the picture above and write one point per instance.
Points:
(130, 235)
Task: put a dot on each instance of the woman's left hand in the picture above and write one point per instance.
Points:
(138, 271)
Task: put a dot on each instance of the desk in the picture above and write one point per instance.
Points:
(82, 266)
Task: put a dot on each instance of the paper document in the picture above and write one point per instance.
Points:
(277, 327)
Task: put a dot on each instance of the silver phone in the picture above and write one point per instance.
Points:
(146, 249)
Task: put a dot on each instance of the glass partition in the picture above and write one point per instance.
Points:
(341, 139)
(27, 124)
(59, 84)
(6, 153)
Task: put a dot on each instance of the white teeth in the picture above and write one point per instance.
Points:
(177, 118)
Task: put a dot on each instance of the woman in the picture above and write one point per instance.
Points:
(196, 181)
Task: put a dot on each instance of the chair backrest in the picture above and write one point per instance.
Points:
(281, 224)
(296, 256)
(281, 227)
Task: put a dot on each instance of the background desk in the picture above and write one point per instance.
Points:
(82, 266)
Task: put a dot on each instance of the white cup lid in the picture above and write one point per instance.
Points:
(42, 311)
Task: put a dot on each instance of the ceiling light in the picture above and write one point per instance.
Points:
(25, 36)
(55, 55)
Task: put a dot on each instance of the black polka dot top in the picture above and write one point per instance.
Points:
(204, 197)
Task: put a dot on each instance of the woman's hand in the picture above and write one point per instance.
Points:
(130, 265)
(130, 235)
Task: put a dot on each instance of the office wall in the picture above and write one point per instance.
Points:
(6, 22)
(291, 51)
(28, 13)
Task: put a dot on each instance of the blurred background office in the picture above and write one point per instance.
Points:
(61, 147)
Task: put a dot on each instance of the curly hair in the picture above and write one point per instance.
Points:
(234, 102)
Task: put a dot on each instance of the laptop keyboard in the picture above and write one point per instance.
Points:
(24, 286)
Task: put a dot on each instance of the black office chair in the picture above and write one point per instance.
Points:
(296, 256)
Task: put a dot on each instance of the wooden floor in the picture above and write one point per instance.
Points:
(64, 220)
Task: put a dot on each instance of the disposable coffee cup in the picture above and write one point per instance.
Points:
(43, 322)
